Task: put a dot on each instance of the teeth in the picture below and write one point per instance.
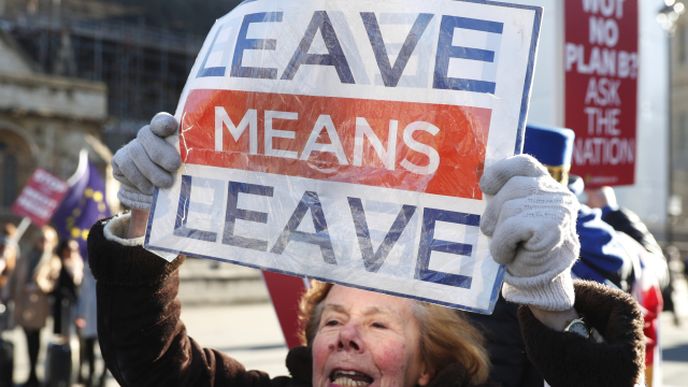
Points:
(351, 379)
(344, 381)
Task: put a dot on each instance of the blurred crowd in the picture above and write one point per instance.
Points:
(47, 291)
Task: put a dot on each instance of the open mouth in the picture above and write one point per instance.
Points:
(350, 378)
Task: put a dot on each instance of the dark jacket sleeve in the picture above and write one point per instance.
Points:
(142, 339)
(509, 364)
(566, 359)
(629, 222)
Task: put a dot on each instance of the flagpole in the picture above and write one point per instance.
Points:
(80, 168)
(21, 229)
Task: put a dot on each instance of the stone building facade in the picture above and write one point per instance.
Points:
(80, 73)
(45, 121)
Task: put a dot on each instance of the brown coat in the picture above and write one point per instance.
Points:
(31, 293)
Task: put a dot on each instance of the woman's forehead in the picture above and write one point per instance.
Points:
(365, 300)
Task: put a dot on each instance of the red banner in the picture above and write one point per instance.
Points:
(40, 197)
(601, 67)
(285, 293)
(385, 144)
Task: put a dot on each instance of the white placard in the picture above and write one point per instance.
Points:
(344, 141)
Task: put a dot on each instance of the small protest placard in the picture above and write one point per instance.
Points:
(40, 197)
(601, 78)
(344, 141)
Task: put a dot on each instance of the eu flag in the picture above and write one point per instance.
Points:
(83, 205)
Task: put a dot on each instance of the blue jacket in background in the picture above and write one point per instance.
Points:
(603, 257)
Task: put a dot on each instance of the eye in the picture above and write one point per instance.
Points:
(331, 323)
(379, 325)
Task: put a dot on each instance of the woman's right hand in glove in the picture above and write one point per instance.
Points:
(146, 162)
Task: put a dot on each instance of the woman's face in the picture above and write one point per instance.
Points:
(367, 339)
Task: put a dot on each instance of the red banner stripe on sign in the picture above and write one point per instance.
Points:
(438, 149)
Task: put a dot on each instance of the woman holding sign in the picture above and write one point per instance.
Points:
(354, 337)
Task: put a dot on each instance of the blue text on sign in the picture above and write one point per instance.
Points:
(444, 77)
(310, 203)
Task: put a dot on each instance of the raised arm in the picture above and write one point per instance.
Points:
(531, 220)
(143, 340)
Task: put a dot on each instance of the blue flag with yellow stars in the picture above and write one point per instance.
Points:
(83, 205)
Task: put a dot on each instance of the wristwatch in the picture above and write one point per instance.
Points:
(579, 327)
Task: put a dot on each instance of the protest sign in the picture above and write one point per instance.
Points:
(344, 141)
(601, 67)
(40, 197)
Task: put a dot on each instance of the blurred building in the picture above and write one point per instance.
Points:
(88, 74)
(44, 121)
(143, 67)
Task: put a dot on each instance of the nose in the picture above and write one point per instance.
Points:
(350, 338)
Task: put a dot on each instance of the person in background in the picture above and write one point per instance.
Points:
(66, 291)
(8, 258)
(652, 286)
(87, 324)
(621, 218)
(676, 270)
(626, 221)
(36, 274)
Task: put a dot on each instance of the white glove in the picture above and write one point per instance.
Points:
(146, 162)
(531, 220)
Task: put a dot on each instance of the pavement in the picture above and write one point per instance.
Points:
(674, 339)
(256, 340)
